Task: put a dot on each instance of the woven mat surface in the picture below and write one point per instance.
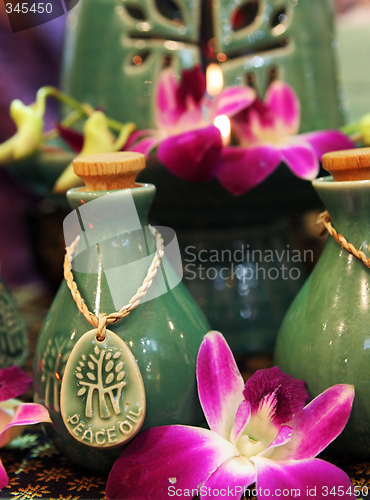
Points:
(36, 470)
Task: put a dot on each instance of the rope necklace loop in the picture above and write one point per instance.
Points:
(324, 219)
(101, 322)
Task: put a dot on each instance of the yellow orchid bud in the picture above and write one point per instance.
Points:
(365, 129)
(25, 141)
(97, 139)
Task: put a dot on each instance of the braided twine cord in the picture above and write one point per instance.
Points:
(104, 319)
(324, 219)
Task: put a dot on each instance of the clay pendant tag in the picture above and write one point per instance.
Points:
(102, 395)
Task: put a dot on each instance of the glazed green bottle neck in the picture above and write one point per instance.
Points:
(114, 227)
(142, 197)
(348, 204)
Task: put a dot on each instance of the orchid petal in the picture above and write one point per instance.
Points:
(318, 424)
(123, 136)
(284, 435)
(192, 88)
(6, 415)
(230, 479)
(365, 129)
(220, 384)
(146, 145)
(97, 139)
(301, 159)
(73, 138)
(244, 168)
(192, 156)
(241, 419)
(29, 124)
(67, 180)
(13, 382)
(232, 100)
(191, 119)
(188, 456)
(178, 105)
(290, 394)
(326, 141)
(284, 104)
(3, 476)
(7, 409)
(26, 140)
(167, 112)
(305, 479)
(255, 125)
(25, 414)
(139, 134)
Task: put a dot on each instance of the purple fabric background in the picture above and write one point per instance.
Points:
(28, 60)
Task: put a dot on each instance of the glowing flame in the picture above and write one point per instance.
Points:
(223, 124)
(215, 79)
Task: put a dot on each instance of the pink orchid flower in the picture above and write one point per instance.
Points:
(260, 432)
(267, 135)
(15, 414)
(189, 145)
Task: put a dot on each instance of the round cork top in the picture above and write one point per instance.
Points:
(348, 165)
(108, 171)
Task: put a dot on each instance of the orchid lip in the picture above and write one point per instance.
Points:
(249, 447)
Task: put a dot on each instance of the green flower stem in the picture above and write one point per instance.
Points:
(69, 120)
(356, 136)
(85, 109)
(351, 128)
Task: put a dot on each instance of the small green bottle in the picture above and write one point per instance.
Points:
(155, 344)
(325, 336)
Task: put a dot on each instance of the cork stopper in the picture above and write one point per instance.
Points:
(348, 165)
(103, 172)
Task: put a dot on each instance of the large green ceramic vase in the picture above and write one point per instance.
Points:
(116, 50)
(163, 334)
(325, 337)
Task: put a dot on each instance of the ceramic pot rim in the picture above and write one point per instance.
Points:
(327, 182)
(139, 189)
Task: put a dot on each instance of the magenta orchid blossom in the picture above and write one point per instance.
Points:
(188, 142)
(266, 133)
(261, 432)
(15, 414)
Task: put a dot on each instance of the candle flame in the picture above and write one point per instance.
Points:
(223, 124)
(215, 79)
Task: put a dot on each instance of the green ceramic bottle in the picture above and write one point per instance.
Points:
(163, 334)
(325, 336)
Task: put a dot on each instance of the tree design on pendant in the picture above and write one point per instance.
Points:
(105, 376)
(103, 399)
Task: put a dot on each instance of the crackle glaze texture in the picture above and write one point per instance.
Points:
(164, 335)
(325, 336)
